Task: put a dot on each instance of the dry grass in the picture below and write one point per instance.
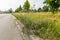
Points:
(45, 24)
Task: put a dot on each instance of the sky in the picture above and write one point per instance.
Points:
(7, 4)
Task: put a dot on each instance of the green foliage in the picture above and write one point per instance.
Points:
(10, 10)
(40, 25)
(18, 9)
(54, 4)
(26, 6)
(39, 9)
(45, 8)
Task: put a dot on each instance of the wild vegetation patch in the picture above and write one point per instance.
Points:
(44, 25)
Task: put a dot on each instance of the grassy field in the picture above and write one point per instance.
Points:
(44, 24)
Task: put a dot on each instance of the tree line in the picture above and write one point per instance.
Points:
(26, 8)
(50, 6)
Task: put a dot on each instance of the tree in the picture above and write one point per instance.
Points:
(39, 9)
(18, 9)
(10, 10)
(34, 10)
(53, 4)
(45, 8)
(26, 6)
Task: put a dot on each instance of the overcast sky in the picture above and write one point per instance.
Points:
(6, 4)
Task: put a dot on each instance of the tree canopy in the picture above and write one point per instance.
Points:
(26, 5)
(45, 8)
(54, 4)
(18, 9)
(10, 10)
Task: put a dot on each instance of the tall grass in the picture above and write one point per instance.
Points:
(45, 26)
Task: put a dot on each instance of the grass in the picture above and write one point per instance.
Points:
(44, 24)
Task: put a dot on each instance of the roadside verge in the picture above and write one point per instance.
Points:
(23, 35)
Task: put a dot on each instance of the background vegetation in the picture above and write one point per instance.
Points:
(50, 6)
(43, 25)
